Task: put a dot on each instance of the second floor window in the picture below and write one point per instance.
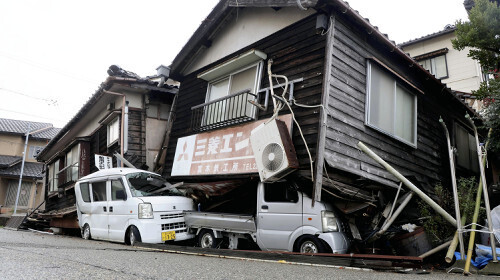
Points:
(113, 131)
(436, 65)
(391, 108)
(53, 176)
(465, 143)
(72, 161)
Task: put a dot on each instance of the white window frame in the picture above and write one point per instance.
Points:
(110, 126)
(397, 82)
(432, 61)
(53, 176)
(75, 162)
(257, 81)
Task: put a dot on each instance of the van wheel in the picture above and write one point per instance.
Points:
(206, 239)
(133, 236)
(310, 244)
(86, 232)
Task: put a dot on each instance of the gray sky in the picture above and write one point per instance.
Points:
(55, 53)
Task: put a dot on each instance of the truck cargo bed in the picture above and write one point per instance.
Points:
(221, 221)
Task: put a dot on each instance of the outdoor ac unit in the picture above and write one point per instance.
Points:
(273, 151)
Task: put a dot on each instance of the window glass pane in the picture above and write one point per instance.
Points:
(239, 106)
(405, 114)
(474, 161)
(280, 192)
(84, 189)
(113, 131)
(117, 190)
(215, 112)
(56, 175)
(440, 66)
(99, 191)
(426, 64)
(381, 110)
(218, 89)
(462, 145)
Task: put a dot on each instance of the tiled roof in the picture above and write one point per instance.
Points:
(31, 170)
(447, 29)
(6, 161)
(46, 130)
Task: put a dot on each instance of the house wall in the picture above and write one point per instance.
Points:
(13, 145)
(428, 162)
(297, 52)
(464, 73)
(248, 26)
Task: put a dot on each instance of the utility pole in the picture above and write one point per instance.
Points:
(22, 167)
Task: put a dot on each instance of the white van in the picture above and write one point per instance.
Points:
(130, 205)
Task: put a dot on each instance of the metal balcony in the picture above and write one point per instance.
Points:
(225, 111)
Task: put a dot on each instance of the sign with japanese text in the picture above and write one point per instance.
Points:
(103, 162)
(222, 151)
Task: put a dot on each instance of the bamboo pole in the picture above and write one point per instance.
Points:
(475, 216)
(453, 244)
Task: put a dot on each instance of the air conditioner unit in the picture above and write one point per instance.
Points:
(273, 151)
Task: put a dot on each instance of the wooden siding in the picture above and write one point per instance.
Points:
(297, 52)
(428, 163)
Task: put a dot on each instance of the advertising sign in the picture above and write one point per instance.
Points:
(222, 151)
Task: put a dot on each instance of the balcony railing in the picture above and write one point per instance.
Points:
(224, 111)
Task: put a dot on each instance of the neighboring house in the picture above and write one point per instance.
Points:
(12, 142)
(127, 116)
(455, 68)
(371, 90)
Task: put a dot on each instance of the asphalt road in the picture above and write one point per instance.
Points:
(32, 255)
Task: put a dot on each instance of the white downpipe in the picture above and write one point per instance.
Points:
(409, 184)
(125, 129)
(22, 168)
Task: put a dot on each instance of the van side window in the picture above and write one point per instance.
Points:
(99, 191)
(280, 192)
(117, 190)
(84, 189)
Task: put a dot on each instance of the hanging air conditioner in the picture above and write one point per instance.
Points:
(273, 151)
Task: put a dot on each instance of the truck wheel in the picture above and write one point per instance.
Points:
(133, 236)
(310, 244)
(206, 239)
(86, 232)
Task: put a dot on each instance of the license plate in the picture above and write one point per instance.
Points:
(167, 235)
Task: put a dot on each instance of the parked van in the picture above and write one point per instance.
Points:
(130, 205)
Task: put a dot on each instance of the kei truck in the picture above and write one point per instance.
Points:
(130, 205)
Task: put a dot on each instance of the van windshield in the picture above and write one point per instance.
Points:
(147, 184)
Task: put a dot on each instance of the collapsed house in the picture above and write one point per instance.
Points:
(124, 120)
(345, 83)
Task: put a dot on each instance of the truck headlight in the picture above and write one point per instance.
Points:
(329, 221)
(145, 211)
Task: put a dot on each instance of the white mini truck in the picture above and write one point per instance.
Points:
(285, 220)
(130, 205)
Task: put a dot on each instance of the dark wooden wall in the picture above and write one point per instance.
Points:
(428, 163)
(297, 52)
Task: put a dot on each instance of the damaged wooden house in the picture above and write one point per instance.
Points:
(124, 120)
(345, 83)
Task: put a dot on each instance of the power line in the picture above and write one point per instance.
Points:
(36, 116)
(49, 101)
(44, 67)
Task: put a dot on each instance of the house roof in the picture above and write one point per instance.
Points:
(38, 130)
(7, 161)
(31, 170)
(116, 75)
(447, 29)
(201, 38)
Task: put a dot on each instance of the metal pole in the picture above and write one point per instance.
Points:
(485, 192)
(455, 190)
(22, 168)
(409, 184)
